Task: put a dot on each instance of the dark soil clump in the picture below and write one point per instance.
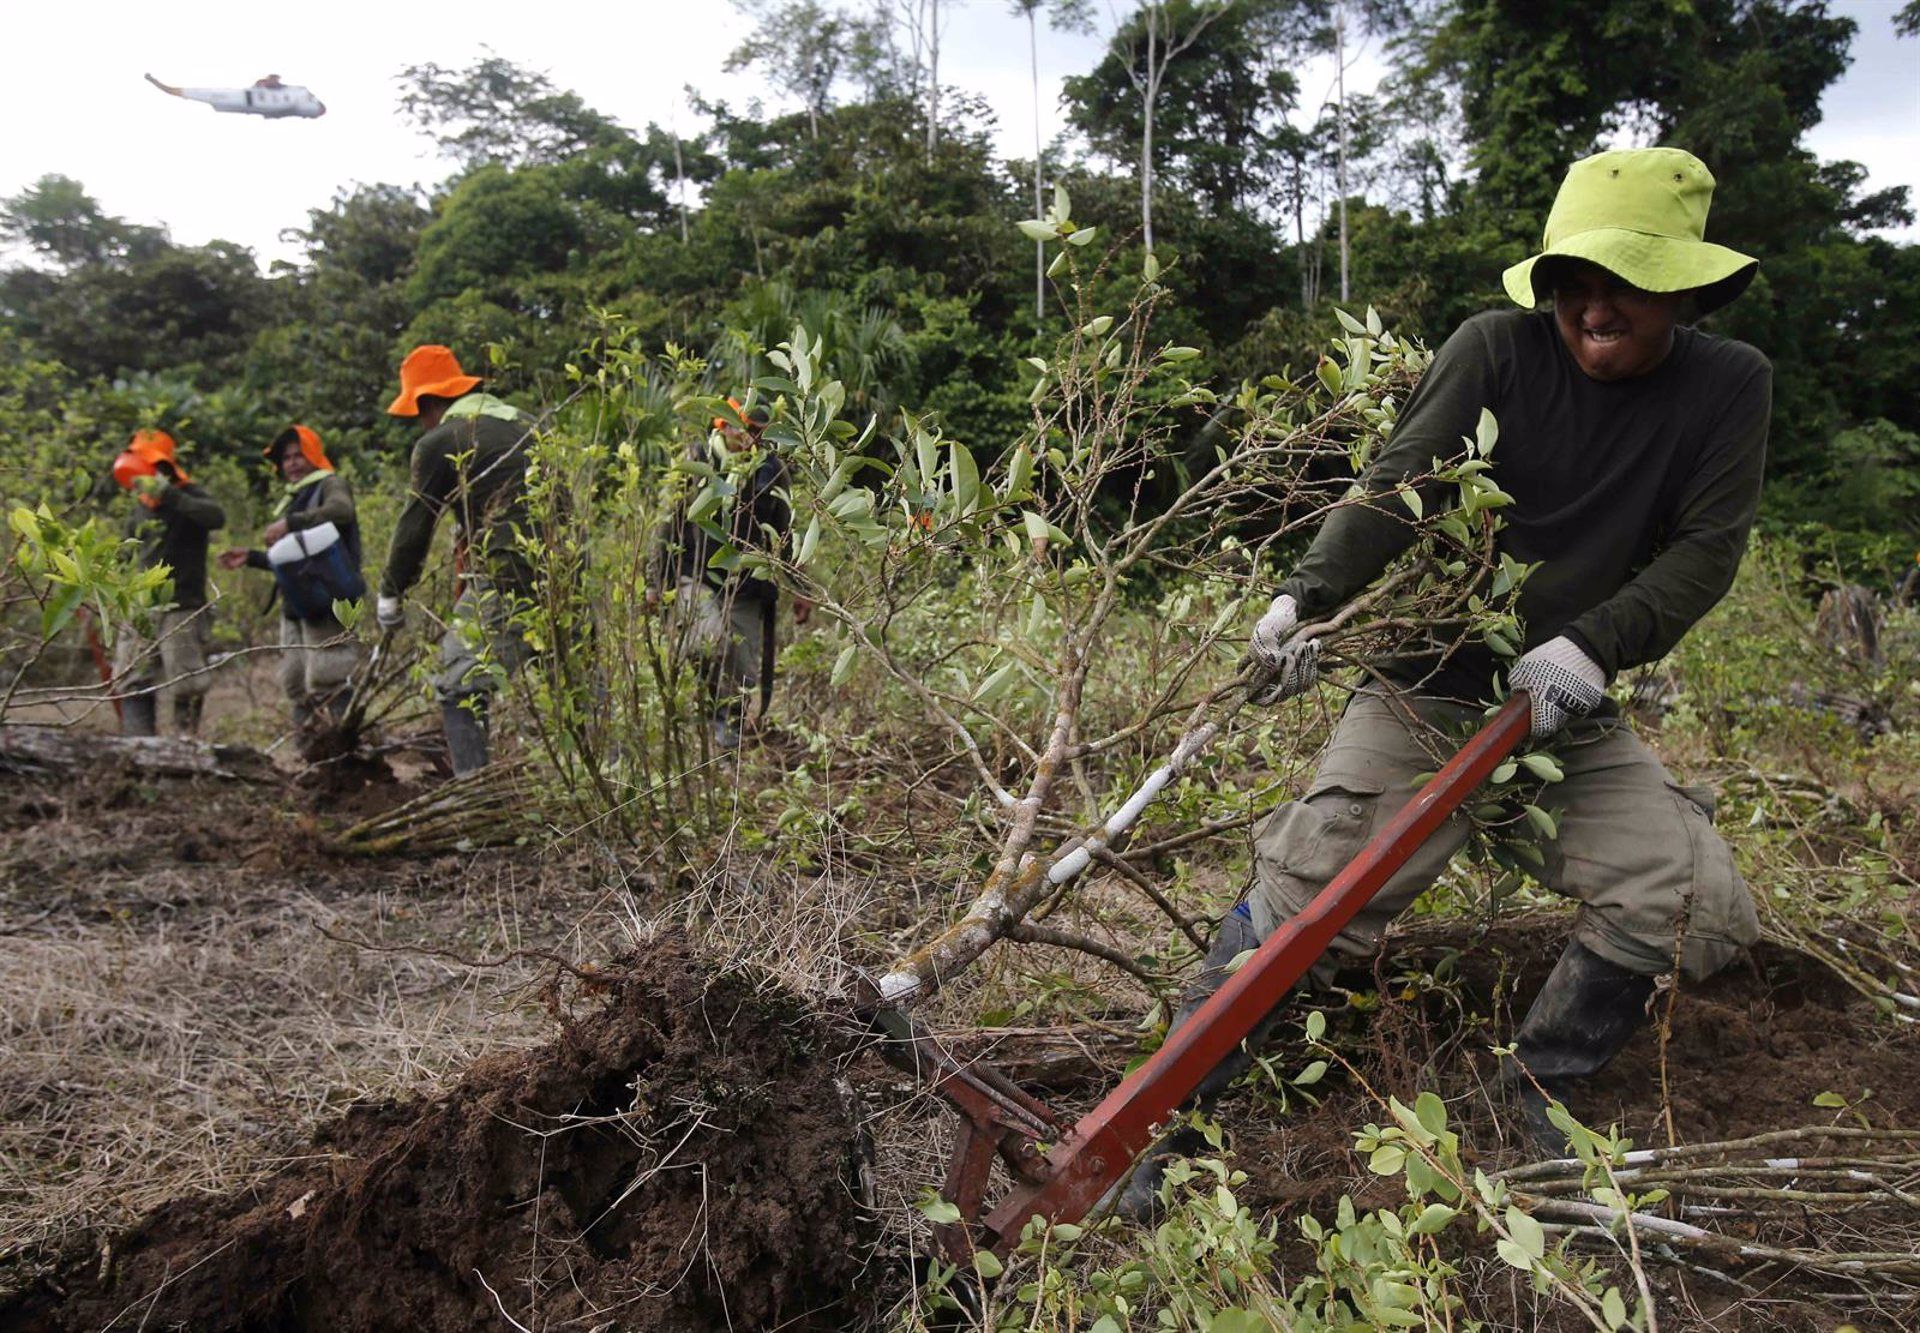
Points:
(1748, 1051)
(677, 1161)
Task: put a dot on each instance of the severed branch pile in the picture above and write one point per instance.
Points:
(1838, 892)
(489, 808)
(1838, 1200)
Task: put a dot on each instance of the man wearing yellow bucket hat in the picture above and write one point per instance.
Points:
(1633, 446)
(471, 459)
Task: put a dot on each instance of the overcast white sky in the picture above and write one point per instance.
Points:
(73, 100)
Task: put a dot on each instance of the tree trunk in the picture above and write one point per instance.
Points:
(30, 749)
(933, 78)
(680, 175)
(1039, 201)
(1300, 232)
(1340, 75)
(1149, 95)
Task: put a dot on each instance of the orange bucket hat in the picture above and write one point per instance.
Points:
(749, 418)
(430, 369)
(143, 456)
(310, 447)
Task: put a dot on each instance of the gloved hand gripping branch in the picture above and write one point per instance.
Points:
(1294, 663)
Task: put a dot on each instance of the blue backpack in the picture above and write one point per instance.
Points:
(313, 571)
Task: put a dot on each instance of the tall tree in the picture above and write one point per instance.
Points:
(496, 112)
(1198, 89)
(805, 48)
(340, 311)
(1168, 28)
(1540, 82)
(1064, 16)
(58, 220)
(123, 297)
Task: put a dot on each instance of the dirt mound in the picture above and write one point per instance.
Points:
(1749, 1050)
(676, 1162)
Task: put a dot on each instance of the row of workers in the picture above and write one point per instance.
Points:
(471, 461)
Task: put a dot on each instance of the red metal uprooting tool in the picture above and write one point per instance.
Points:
(1064, 1183)
(100, 663)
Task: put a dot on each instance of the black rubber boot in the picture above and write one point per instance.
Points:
(1586, 1012)
(140, 715)
(466, 730)
(1140, 1200)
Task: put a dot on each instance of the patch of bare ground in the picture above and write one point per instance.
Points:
(185, 994)
(1746, 1053)
(682, 1157)
(210, 1017)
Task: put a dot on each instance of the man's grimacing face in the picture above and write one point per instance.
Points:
(1614, 330)
(293, 463)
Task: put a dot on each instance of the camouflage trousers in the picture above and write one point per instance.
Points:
(171, 663)
(723, 633)
(481, 646)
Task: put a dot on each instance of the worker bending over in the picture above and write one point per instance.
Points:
(471, 459)
(1632, 445)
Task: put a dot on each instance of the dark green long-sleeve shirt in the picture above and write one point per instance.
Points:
(330, 501)
(475, 464)
(175, 535)
(761, 519)
(1634, 496)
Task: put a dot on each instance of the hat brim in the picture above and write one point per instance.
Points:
(407, 403)
(1652, 263)
(310, 447)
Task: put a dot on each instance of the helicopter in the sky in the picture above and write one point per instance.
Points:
(267, 97)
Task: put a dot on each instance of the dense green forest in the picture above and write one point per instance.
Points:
(889, 233)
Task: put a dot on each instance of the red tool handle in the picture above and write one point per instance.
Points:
(100, 663)
(1100, 1149)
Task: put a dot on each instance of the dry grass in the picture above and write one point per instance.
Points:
(186, 993)
(176, 1029)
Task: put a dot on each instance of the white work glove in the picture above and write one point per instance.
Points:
(389, 612)
(1561, 682)
(1294, 664)
(1272, 630)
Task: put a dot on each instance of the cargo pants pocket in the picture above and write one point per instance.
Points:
(1305, 843)
(1723, 920)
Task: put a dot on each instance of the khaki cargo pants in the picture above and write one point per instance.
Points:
(317, 658)
(172, 663)
(723, 632)
(482, 646)
(1635, 849)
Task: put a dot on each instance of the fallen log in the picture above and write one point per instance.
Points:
(45, 749)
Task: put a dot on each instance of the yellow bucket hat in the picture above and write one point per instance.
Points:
(1641, 214)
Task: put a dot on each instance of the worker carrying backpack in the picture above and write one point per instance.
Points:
(313, 571)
